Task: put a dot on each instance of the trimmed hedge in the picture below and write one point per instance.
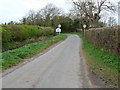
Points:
(106, 38)
(22, 32)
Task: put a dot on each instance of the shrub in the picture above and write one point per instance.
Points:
(46, 31)
(6, 35)
(22, 32)
(106, 37)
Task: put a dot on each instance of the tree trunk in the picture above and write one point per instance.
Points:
(95, 20)
(95, 23)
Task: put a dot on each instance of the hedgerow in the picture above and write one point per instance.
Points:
(22, 32)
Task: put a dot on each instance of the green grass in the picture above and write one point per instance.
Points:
(99, 54)
(13, 57)
(101, 63)
(16, 44)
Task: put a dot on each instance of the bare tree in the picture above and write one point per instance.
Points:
(112, 21)
(49, 12)
(43, 17)
(93, 8)
(39, 19)
(29, 18)
(75, 12)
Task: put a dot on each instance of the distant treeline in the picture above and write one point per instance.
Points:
(51, 16)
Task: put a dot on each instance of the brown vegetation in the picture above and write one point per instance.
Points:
(107, 38)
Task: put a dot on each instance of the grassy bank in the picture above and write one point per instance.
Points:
(14, 36)
(101, 63)
(16, 44)
(13, 57)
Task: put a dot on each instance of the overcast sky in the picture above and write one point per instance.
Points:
(14, 10)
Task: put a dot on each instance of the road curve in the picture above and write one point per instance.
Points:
(60, 67)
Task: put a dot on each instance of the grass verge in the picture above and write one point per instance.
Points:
(13, 57)
(104, 65)
(16, 44)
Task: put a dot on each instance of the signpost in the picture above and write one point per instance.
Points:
(58, 30)
(84, 26)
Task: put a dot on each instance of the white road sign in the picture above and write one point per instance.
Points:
(58, 30)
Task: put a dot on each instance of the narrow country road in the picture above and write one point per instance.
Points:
(60, 67)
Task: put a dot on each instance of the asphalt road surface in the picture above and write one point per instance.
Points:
(60, 67)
